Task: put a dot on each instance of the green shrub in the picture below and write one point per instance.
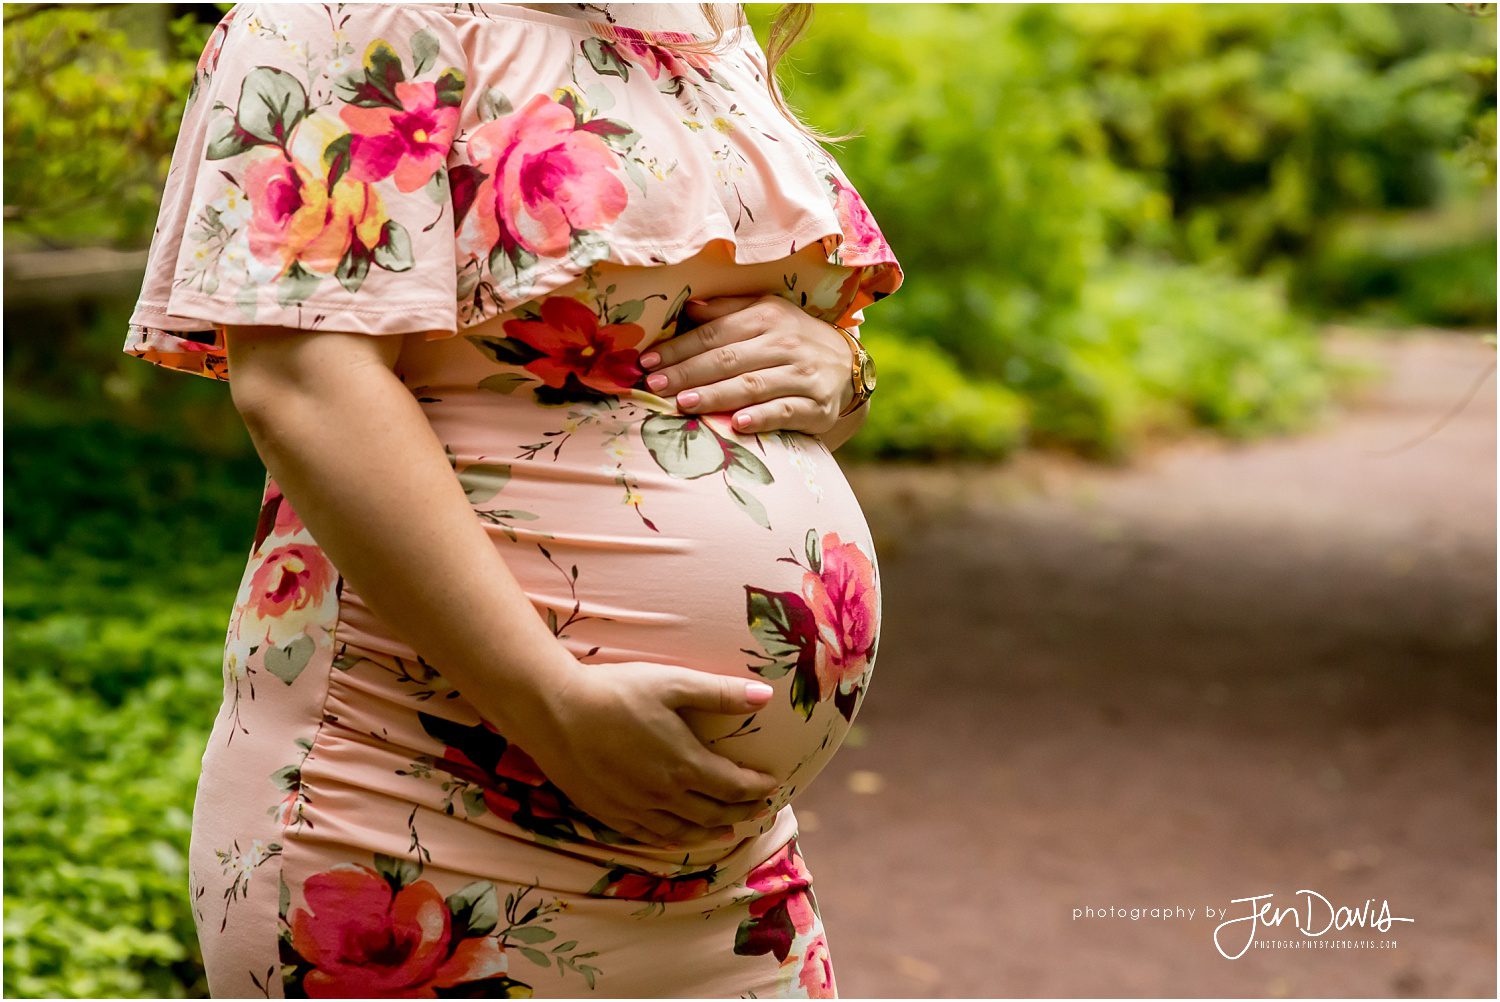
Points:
(97, 817)
(926, 407)
(1408, 269)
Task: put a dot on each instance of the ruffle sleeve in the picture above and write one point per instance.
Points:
(309, 184)
(427, 168)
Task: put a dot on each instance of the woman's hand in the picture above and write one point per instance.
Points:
(761, 357)
(610, 737)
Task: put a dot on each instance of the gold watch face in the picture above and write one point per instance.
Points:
(867, 373)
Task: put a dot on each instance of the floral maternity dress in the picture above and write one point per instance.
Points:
(539, 193)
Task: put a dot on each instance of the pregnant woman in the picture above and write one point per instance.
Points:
(543, 324)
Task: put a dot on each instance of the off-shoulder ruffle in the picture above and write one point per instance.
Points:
(474, 241)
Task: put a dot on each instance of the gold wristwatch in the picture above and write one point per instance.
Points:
(862, 372)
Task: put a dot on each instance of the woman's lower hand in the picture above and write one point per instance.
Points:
(612, 740)
(761, 357)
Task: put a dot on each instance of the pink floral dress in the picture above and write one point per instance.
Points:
(534, 196)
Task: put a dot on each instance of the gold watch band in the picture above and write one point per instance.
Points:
(856, 349)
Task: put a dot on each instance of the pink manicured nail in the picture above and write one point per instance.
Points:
(758, 690)
(656, 381)
(741, 419)
(687, 398)
(698, 302)
(650, 359)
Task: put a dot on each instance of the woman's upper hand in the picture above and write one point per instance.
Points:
(611, 739)
(761, 357)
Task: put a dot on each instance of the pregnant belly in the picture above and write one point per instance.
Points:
(644, 535)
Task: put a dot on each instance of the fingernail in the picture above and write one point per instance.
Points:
(656, 381)
(728, 836)
(687, 399)
(695, 301)
(671, 845)
(741, 419)
(758, 690)
(650, 359)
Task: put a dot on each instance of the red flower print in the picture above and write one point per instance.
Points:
(640, 885)
(546, 179)
(781, 880)
(817, 970)
(842, 598)
(364, 939)
(784, 908)
(647, 887)
(410, 141)
(574, 343)
(511, 785)
(517, 767)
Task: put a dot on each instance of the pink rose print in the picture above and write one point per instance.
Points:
(276, 514)
(817, 970)
(410, 141)
(572, 342)
(638, 48)
(842, 599)
(297, 219)
(545, 177)
(783, 908)
(861, 234)
(368, 934)
(826, 633)
(290, 579)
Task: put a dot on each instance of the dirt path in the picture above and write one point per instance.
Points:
(1222, 672)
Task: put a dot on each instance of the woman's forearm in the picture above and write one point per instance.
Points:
(846, 427)
(362, 467)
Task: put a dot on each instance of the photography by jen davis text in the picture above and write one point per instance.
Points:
(1319, 924)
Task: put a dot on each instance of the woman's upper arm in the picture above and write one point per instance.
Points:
(272, 363)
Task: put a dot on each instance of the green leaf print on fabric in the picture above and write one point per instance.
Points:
(272, 103)
(685, 447)
(475, 908)
(482, 481)
(286, 663)
(689, 447)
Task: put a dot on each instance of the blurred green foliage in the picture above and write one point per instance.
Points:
(1116, 222)
(1029, 163)
(92, 105)
(122, 555)
(117, 592)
